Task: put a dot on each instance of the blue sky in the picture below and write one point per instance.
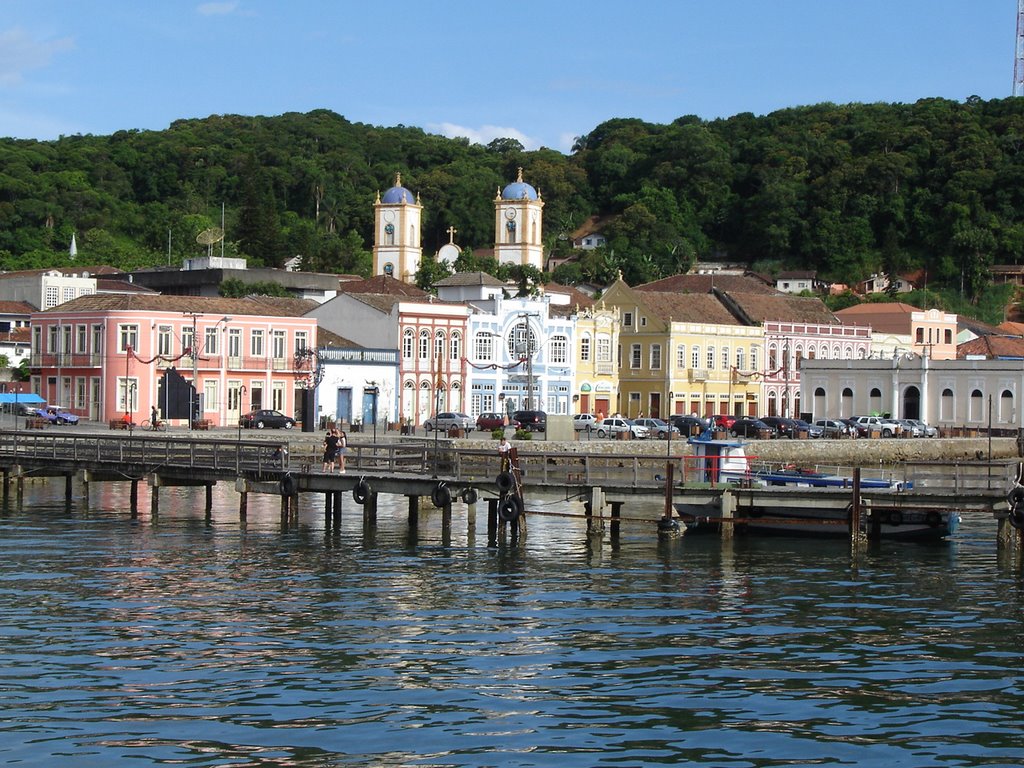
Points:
(541, 72)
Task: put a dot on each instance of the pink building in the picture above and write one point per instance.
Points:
(107, 356)
(787, 344)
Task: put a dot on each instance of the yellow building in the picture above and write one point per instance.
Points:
(596, 389)
(684, 353)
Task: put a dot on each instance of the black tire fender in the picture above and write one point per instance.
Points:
(505, 481)
(1016, 497)
(441, 496)
(288, 485)
(1016, 517)
(361, 491)
(895, 518)
(933, 518)
(470, 496)
(510, 509)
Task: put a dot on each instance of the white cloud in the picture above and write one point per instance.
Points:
(217, 9)
(19, 53)
(485, 134)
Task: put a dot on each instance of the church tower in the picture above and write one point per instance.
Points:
(396, 226)
(518, 224)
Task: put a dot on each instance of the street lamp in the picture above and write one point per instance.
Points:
(241, 397)
(668, 440)
(193, 395)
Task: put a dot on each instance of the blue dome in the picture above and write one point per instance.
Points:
(398, 195)
(518, 190)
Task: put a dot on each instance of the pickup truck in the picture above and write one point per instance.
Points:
(884, 426)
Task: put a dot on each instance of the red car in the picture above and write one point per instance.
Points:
(723, 420)
(492, 420)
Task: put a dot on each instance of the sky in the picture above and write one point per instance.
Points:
(540, 71)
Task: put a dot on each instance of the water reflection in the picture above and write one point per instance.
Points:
(233, 642)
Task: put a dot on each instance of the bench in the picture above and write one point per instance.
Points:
(36, 422)
(203, 423)
(119, 424)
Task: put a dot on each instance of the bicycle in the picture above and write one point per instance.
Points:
(159, 426)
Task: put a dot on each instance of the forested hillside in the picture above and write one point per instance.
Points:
(843, 189)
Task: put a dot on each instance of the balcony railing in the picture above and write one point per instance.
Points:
(698, 374)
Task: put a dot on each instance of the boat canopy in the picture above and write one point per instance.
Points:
(20, 397)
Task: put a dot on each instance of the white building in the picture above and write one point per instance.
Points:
(945, 393)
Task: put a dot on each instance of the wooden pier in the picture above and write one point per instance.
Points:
(447, 475)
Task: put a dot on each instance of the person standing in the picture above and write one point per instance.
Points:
(504, 447)
(342, 450)
(330, 450)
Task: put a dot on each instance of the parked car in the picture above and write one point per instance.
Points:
(615, 425)
(535, 421)
(493, 420)
(57, 415)
(750, 427)
(884, 426)
(911, 427)
(811, 430)
(447, 420)
(831, 428)
(783, 426)
(927, 430)
(584, 422)
(688, 425)
(859, 430)
(261, 418)
(723, 421)
(658, 428)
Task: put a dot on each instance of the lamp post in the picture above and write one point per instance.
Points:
(241, 397)
(668, 440)
(193, 395)
(129, 394)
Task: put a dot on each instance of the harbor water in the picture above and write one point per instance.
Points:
(187, 640)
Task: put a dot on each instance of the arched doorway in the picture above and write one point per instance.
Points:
(911, 403)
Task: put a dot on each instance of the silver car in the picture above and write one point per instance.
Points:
(658, 428)
(613, 426)
(926, 430)
(445, 420)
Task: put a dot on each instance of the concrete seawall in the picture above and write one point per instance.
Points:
(857, 452)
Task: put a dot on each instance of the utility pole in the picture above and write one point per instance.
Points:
(1018, 59)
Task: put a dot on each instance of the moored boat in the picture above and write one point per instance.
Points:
(766, 500)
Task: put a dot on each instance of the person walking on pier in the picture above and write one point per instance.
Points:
(330, 450)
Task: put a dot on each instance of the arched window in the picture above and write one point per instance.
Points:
(439, 345)
(741, 358)
(455, 351)
(947, 408)
(948, 336)
(875, 400)
(585, 348)
(977, 408)
(711, 359)
(1006, 415)
(820, 405)
(846, 404)
(407, 341)
(424, 344)
(725, 358)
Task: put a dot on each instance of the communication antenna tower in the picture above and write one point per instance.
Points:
(215, 234)
(1018, 59)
